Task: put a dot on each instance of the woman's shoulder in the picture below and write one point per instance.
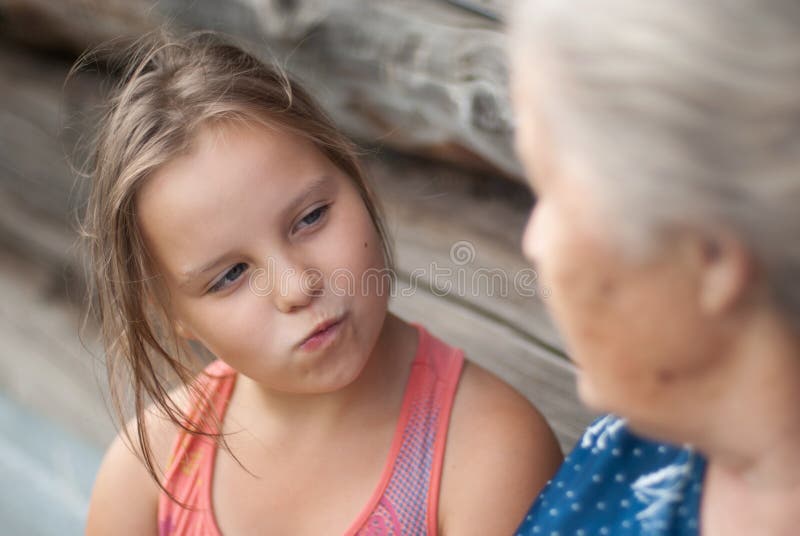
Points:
(614, 481)
(609, 442)
(500, 452)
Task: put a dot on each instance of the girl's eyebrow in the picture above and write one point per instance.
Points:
(309, 190)
(190, 275)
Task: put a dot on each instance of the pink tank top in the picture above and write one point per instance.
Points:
(405, 500)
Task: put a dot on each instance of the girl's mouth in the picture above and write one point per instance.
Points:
(323, 335)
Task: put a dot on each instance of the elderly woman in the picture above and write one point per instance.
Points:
(663, 142)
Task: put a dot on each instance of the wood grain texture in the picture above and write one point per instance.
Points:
(423, 76)
(431, 209)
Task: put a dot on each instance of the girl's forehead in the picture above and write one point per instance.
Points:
(230, 182)
(226, 158)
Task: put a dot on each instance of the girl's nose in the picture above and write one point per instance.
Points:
(297, 289)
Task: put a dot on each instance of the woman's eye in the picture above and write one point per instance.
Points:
(312, 217)
(230, 277)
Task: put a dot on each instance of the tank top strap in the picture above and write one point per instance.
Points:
(191, 464)
(408, 503)
(444, 364)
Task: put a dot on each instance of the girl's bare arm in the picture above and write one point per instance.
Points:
(500, 453)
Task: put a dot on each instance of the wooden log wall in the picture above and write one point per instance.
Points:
(415, 101)
(421, 76)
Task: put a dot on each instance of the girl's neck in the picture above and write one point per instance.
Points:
(378, 389)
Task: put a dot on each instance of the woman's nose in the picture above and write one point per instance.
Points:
(528, 240)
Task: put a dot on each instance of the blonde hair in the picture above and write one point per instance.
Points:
(169, 87)
(687, 113)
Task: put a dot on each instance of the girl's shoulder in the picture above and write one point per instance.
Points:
(125, 495)
(500, 452)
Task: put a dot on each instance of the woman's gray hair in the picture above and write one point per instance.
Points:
(689, 111)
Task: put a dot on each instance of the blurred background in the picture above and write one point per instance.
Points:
(420, 84)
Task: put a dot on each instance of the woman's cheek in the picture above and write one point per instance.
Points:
(529, 240)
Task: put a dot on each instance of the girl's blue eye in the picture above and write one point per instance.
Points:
(314, 216)
(230, 277)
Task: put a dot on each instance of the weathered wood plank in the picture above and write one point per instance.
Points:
(423, 76)
(438, 213)
(544, 378)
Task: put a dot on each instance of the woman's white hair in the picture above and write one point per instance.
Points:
(686, 111)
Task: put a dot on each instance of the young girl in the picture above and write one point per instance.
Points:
(228, 215)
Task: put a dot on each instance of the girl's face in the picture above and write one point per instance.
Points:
(260, 239)
(634, 327)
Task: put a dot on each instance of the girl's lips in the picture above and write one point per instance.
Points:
(323, 337)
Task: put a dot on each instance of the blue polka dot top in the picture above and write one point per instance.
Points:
(614, 483)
